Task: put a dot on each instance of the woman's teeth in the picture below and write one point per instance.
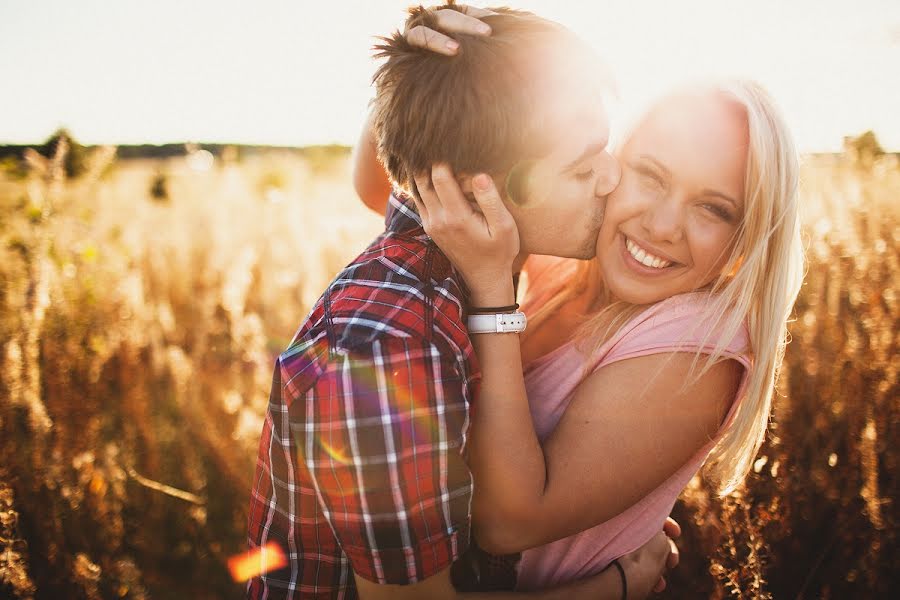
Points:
(645, 258)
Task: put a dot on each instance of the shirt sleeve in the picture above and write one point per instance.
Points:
(381, 433)
(275, 489)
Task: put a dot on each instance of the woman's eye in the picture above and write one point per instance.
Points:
(585, 175)
(651, 178)
(719, 211)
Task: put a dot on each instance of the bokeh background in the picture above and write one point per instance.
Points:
(175, 194)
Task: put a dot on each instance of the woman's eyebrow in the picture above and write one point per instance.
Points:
(656, 163)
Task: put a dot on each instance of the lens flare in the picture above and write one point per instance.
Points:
(391, 415)
(257, 562)
(337, 454)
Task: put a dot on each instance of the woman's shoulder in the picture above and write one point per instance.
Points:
(543, 276)
(541, 267)
(688, 322)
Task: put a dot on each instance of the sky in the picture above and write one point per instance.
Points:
(297, 72)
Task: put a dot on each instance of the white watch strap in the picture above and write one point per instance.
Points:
(497, 323)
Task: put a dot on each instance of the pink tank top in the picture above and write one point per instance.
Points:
(670, 325)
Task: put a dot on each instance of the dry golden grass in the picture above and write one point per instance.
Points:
(143, 303)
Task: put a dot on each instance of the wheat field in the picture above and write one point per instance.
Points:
(142, 303)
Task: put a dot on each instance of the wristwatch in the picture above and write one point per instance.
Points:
(497, 323)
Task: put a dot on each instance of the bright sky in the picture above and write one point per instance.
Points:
(297, 72)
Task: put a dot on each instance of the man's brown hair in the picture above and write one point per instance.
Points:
(480, 110)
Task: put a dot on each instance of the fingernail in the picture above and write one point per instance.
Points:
(484, 28)
(481, 182)
(451, 45)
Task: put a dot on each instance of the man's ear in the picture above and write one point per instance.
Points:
(465, 184)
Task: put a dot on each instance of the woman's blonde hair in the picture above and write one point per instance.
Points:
(757, 287)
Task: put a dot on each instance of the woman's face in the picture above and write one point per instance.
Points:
(669, 226)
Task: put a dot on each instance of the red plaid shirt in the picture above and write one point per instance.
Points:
(360, 464)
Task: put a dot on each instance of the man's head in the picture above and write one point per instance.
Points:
(523, 104)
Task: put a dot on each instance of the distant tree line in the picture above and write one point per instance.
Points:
(864, 147)
(129, 151)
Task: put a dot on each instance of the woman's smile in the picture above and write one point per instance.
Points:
(644, 258)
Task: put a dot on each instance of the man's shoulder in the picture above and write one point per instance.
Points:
(389, 287)
(399, 292)
(395, 264)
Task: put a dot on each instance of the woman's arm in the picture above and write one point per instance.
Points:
(370, 180)
(643, 572)
(620, 437)
(628, 428)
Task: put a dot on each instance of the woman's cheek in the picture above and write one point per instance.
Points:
(714, 235)
(713, 243)
(628, 195)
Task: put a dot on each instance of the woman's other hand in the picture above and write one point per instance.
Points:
(465, 20)
(480, 238)
(644, 568)
(673, 531)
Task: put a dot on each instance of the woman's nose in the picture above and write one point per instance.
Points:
(610, 173)
(663, 220)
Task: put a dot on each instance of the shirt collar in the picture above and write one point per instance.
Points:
(401, 214)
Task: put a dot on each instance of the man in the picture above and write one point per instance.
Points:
(361, 477)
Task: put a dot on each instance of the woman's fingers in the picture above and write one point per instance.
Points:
(674, 556)
(452, 22)
(428, 201)
(474, 11)
(429, 39)
(488, 198)
(672, 528)
(447, 190)
(423, 212)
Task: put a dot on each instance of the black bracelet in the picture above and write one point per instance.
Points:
(487, 310)
(624, 579)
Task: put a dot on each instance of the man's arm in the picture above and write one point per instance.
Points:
(274, 486)
(381, 435)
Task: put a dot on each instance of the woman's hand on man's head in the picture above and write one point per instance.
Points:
(479, 237)
(466, 20)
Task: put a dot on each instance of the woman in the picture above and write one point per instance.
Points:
(658, 355)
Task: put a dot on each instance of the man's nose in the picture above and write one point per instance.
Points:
(610, 174)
